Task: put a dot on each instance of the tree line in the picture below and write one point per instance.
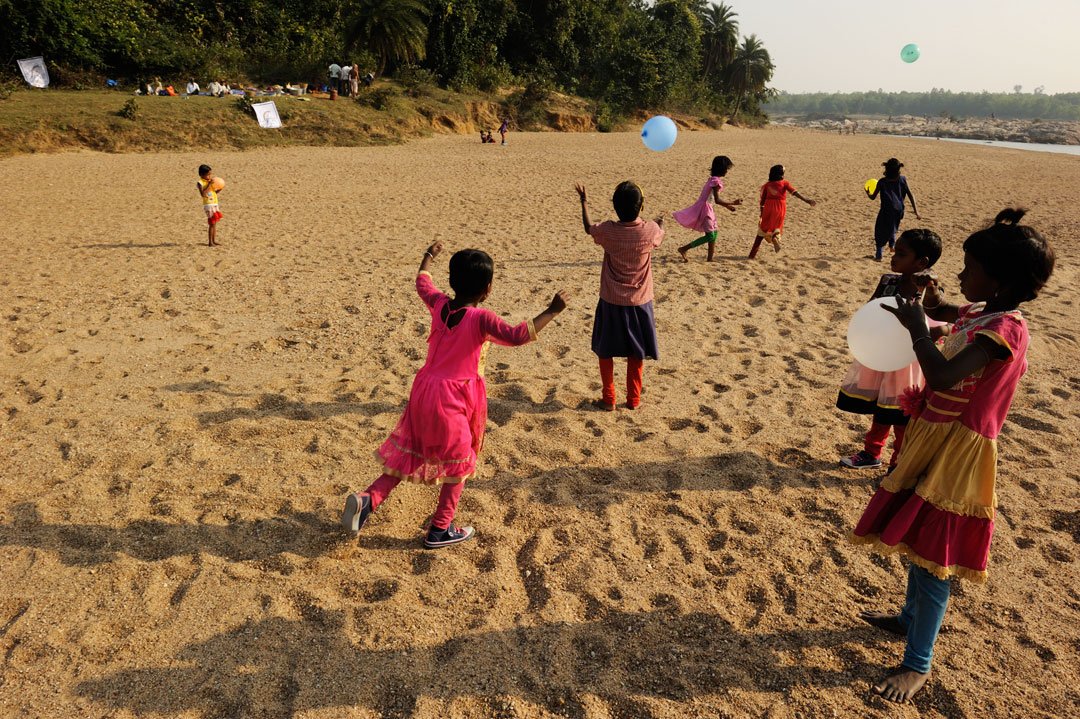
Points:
(625, 54)
(1016, 105)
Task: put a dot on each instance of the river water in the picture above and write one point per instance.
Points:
(1031, 146)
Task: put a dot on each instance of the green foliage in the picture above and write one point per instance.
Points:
(130, 110)
(8, 87)
(1006, 106)
(394, 31)
(245, 105)
(626, 54)
(382, 99)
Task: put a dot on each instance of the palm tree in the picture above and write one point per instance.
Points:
(721, 36)
(750, 70)
(393, 30)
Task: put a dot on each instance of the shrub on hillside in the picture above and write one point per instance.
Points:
(130, 110)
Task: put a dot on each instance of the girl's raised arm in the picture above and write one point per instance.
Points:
(942, 373)
(584, 206)
(425, 286)
(502, 332)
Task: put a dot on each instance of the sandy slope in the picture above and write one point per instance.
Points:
(180, 424)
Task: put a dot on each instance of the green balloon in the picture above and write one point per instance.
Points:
(910, 52)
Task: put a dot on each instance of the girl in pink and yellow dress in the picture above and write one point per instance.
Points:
(441, 431)
(937, 507)
(700, 216)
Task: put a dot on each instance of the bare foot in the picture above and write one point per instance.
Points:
(776, 245)
(881, 620)
(900, 685)
(682, 254)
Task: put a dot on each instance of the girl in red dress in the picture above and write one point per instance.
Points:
(773, 208)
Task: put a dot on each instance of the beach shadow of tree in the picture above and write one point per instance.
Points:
(127, 245)
(278, 667)
(599, 487)
(272, 404)
(303, 533)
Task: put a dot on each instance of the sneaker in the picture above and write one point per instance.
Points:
(861, 460)
(445, 537)
(356, 512)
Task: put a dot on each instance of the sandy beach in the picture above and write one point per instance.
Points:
(180, 424)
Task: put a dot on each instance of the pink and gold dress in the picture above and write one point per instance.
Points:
(938, 505)
(441, 431)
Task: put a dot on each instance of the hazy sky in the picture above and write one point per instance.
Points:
(967, 45)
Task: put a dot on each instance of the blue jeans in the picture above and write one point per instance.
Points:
(922, 615)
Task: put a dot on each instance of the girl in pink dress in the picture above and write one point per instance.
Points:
(867, 391)
(441, 431)
(700, 215)
(937, 507)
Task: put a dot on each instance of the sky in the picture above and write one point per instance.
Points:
(966, 45)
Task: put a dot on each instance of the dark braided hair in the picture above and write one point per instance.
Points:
(470, 274)
(1015, 255)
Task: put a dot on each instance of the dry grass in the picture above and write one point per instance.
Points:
(55, 120)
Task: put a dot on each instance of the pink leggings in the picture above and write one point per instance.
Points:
(449, 495)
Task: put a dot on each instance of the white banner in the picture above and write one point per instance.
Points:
(34, 72)
(267, 114)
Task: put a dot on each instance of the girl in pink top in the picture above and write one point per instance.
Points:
(937, 507)
(441, 431)
(700, 216)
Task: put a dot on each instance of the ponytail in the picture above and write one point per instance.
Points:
(1017, 256)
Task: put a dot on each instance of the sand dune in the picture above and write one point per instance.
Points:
(179, 425)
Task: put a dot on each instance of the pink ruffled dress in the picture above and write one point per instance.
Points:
(700, 216)
(441, 431)
(867, 391)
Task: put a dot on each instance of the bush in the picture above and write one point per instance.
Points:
(381, 99)
(8, 87)
(130, 110)
(413, 77)
(243, 104)
(606, 118)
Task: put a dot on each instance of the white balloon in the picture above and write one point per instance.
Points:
(877, 339)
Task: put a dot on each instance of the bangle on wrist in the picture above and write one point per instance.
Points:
(429, 254)
(933, 306)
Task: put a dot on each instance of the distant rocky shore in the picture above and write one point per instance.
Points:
(1054, 132)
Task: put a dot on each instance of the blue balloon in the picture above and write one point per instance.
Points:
(659, 133)
(909, 53)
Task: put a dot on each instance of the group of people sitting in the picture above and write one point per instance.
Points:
(220, 88)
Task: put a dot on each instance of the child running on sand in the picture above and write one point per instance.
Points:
(774, 208)
(866, 391)
(624, 324)
(700, 215)
(210, 202)
(938, 505)
(892, 188)
(441, 432)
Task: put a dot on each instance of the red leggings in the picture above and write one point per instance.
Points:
(877, 436)
(449, 495)
(635, 368)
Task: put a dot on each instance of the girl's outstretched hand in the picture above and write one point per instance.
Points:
(580, 191)
(558, 302)
(910, 313)
(434, 250)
